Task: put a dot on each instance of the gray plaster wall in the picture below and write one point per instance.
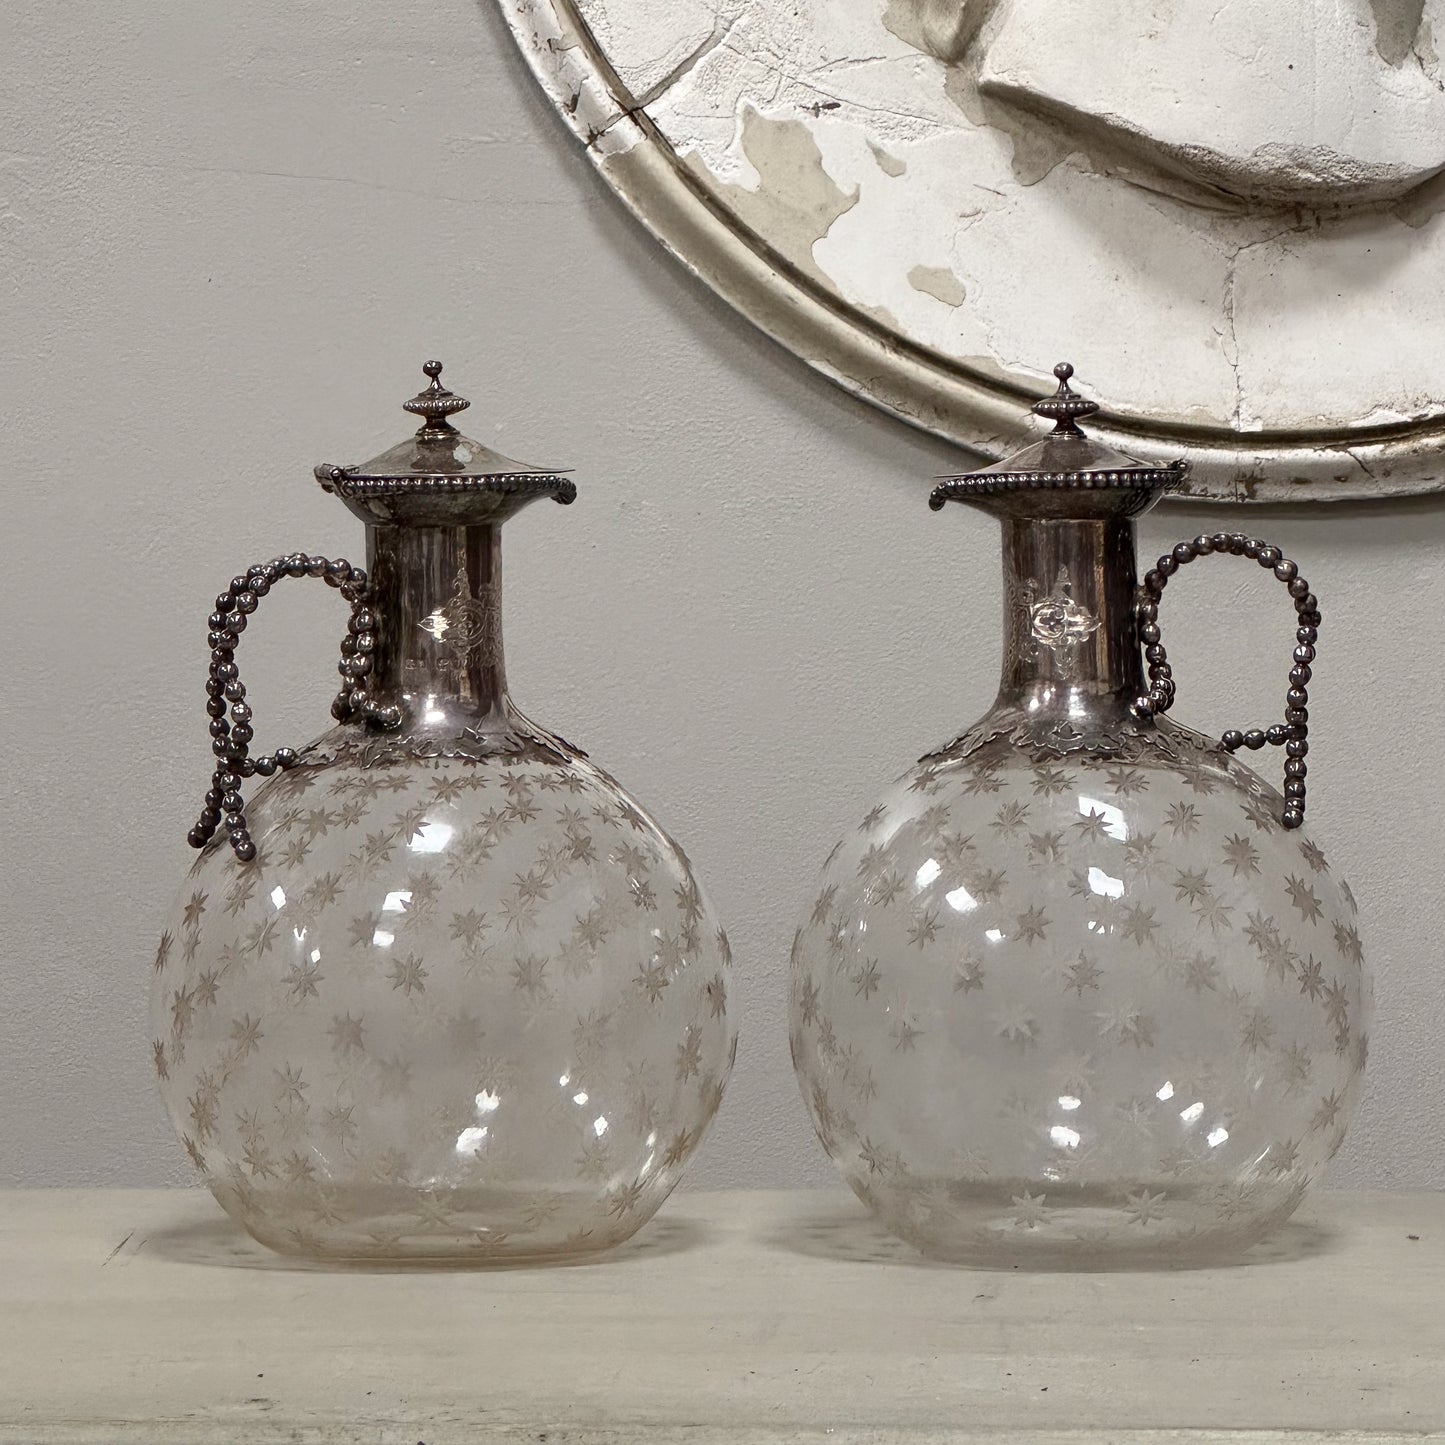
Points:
(228, 237)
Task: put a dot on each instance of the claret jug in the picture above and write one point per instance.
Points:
(1081, 990)
(439, 988)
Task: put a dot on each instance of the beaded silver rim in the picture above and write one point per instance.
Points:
(344, 483)
(1152, 479)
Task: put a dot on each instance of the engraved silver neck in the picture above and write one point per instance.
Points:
(1072, 663)
(1071, 647)
(439, 653)
(434, 506)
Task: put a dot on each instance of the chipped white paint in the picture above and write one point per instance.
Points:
(1291, 102)
(563, 66)
(1225, 214)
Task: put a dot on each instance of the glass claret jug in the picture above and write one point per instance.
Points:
(1080, 989)
(439, 988)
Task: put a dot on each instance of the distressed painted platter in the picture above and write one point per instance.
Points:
(1227, 216)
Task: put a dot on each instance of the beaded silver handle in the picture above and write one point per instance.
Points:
(1293, 733)
(231, 738)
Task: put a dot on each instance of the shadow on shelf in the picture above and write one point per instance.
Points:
(221, 1243)
(841, 1233)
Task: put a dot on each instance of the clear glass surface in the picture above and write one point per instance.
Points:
(1079, 1010)
(455, 1009)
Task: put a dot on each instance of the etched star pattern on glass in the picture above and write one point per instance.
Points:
(452, 1008)
(1061, 1003)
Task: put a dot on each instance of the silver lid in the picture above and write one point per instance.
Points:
(439, 475)
(1065, 461)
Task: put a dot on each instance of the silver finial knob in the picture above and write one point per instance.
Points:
(1065, 406)
(435, 403)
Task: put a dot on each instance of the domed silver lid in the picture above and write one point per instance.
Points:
(438, 475)
(1065, 461)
